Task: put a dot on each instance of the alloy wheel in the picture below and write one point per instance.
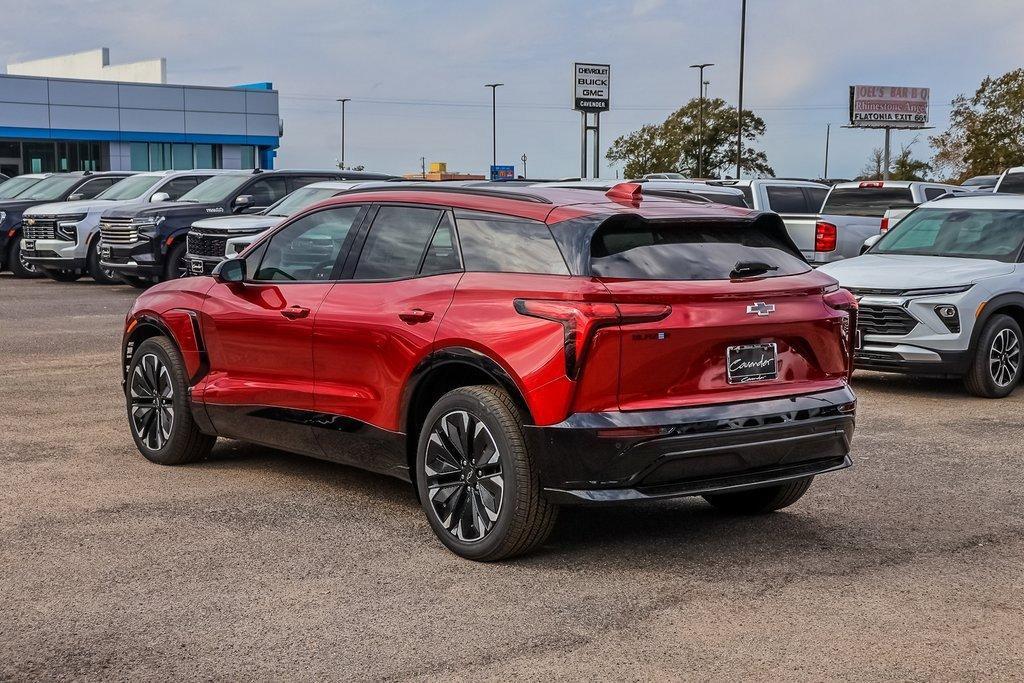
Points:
(1004, 358)
(25, 264)
(465, 482)
(152, 402)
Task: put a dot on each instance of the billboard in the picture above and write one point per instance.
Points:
(591, 86)
(883, 106)
(503, 172)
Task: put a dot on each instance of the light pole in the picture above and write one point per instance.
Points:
(494, 121)
(524, 165)
(739, 111)
(700, 116)
(343, 100)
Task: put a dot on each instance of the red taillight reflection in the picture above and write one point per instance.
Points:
(884, 228)
(824, 236)
(580, 318)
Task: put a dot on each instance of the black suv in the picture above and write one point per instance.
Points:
(54, 187)
(145, 244)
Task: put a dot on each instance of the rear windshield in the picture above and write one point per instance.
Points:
(961, 233)
(1013, 183)
(726, 198)
(707, 250)
(867, 201)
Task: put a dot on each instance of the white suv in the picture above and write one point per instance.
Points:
(66, 234)
(942, 293)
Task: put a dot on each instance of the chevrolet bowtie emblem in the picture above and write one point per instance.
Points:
(30, 221)
(761, 309)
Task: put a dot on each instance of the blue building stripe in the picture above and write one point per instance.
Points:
(135, 136)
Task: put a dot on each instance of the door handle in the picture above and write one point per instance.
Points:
(416, 315)
(295, 312)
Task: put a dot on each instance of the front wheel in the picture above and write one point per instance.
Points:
(996, 367)
(62, 275)
(476, 478)
(159, 415)
(136, 282)
(99, 274)
(762, 500)
(17, 264)
(176, 265)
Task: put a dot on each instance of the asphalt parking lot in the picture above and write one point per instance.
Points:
(261, 564)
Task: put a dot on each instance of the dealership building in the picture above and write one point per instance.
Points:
(80, 113)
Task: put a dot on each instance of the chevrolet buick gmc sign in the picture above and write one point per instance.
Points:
(883, 106)
(591, 86)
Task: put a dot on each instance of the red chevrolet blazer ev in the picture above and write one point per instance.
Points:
(510, 351)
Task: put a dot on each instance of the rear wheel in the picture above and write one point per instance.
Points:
(176, 266)
(62, 275)
(762, 500)
(103, 276)
(477, 482)
(996, 367)
(159, 417)
(17, 264)
(136, 282)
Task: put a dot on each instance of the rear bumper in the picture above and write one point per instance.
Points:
(693, 451)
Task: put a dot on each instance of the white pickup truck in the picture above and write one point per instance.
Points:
(796, 201)
(856, 210)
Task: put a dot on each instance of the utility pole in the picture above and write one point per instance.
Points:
(828, 131)
(524, 165)
(494, 121)
(700, 116)
(343, 100)
(885, 159)
(423, 168)
(739, 111)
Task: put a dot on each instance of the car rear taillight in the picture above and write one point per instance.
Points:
(884, 228)
(843, 300)
(580, 318)
(824, 236)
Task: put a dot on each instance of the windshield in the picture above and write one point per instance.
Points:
(216, 189)
(871, 202)
(49, 189)
(300, 199)
(15, 186)
(957, 233)
(132, 187)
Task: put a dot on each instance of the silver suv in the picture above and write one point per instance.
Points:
(66, 234)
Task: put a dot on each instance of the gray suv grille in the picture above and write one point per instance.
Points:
(872, 319)
(41, 229)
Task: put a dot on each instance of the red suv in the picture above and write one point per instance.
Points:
(510, 351)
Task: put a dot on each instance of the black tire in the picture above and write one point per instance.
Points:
(136, 282)
(61, 275)
(524, 517)
(762, 500)
(994, 373)
(21, 269)
(175, 267)
(99, 274)
(182, 442)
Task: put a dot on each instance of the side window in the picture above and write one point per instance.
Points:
(295, 182)
(94, 187)
(179, 186)
(266, 191)
(782, 199)
(931, 193)
(815, 198)
(497, 244)
(307, 249)
(442, 254)
(397, 240)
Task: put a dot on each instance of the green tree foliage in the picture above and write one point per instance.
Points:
(672, 146)
(902, 167)
(986, 131)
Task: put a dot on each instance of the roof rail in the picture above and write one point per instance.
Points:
(479, 191)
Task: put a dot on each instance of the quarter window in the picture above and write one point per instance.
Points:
(397, 240)
(442, 255)
(783, 199)
(308, 249)
(496, 244)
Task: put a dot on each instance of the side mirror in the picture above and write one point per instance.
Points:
(232, 270)
(242, 202)
(75, 196)
(870, 242)
(160, 197)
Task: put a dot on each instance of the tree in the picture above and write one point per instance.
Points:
(986, 131)
(673, 144)
(903, 167)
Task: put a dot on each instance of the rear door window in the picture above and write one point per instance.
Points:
(396, 242)
(266, 191)
(1013, 183)
(498, 244)
(637, 249)
(783, 199)
(867, 201)
(815, 198)
(94, 187)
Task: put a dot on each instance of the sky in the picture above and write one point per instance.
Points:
(416, 70)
